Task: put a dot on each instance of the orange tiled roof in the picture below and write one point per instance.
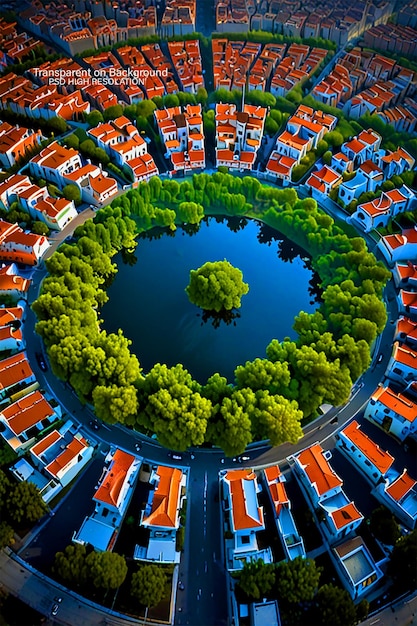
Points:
(401, 486)
(46, 442)
(345, 515)
(241, 518)
(27, 412)
(397, 402)
(72, 450)
(318, 469)
(13, 370)
(381, 459)
(166, 497)
(276, 487)
(110, 489)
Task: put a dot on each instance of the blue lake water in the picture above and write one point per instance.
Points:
(148, 301)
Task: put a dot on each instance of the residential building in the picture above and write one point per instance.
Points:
(393, 411)
(407, 303)
(24, 420)
(362, 147)
(337, 516)
(379, 212)
(406, 331)
(15, 374)
(16, 142)
(322, 181)
(11, 337)
(12, 283)
(394, 490)
(402, 366)
(64, 166)
(303, 132)
(399, 247)
(19, 246)
(54, 212)
(62, 454)
(292, 543)
(280, 167)
(243, 518)
(182, 134)
(111, 500)
(356, 567)
(405, 275)
(126, 147)
(238, 135)
(186, 59)
(162, 514)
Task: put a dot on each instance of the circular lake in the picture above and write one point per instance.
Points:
(148, 301)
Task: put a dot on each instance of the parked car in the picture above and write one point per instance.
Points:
(41, 361)
(55, 609)
(175, 456)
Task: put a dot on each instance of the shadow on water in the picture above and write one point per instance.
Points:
(217, 317)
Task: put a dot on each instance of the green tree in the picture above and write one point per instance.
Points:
(148, 585)
(172, 407)
(94, 118)
(4, 488)
(72, 141)
(112, 112)
(297, 581)
(230, 426)
(40, 228)
(106, 570)
(72, 192)
(334, 607)
(384, 525)
(70, 564)
(24, 503)
(6, 535)
(257, 578)
(402, 564)
(216, 286)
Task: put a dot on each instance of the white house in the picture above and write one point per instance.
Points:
(292, 543)
(111, 500)
(337, 516)
(356, 567)
(402, 366)
(12, 283)
(393, 411)
(162, 514)
(11, 337)
(15, 373)
(399, 247)
(376, 465)
(24, 420)
(379, 212)
(243, 518)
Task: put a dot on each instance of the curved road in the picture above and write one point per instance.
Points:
(203, 601)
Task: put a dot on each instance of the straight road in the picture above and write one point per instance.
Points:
(203, 600)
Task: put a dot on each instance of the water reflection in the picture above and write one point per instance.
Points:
(217, 317)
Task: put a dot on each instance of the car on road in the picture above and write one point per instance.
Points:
(138, 446)
(94, 424)
(181, 585)
(41, 361)
(55, 609)
(380, 357)
(241, 459)
(175, 456)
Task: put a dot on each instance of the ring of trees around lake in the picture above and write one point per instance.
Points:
(270, 398)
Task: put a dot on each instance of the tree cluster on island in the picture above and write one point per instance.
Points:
(269, 397)
(216, 286)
